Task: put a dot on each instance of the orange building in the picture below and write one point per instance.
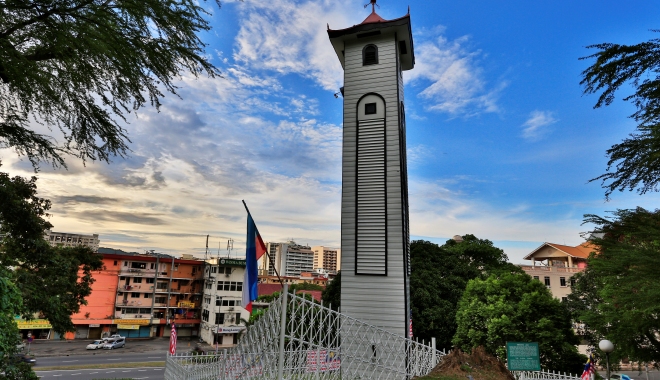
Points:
(139, 295)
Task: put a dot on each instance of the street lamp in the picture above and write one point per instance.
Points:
(606, 346)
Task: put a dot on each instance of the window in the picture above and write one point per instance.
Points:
(137, 280)
(547, 281)
(176, 267)
(150, 280)
(160, 299)
(152, 266)
(205, 315)
(125, 263)
(562, 281)
(209, 285)
(239, 286)
(232, 287)
(207, 300)
(147, 295)
(572, 281)
(214, 269)
(564, 299)
(369, 55)
(136, 265)
(161, 285)
(115, 264)
(219, 318)
(135, 295)
(218, 300)
(536, 277)
(370, 109)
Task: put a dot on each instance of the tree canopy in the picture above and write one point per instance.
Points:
(331, 295)
(438, 278)
(35, 277)
(77, 67)
(635, 162)
(513, 307)
(616, 297)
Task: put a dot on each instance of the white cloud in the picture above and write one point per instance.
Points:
(452, 76)
(535, 126)
(291, 37)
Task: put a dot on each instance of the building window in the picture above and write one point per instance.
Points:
(115, 264)
(370, 109)
(218, 300)
(369, 55)
(547, 281)
(176, 267)
(214, 269)
(135, 265)
(219, 318)
(135, 295)
(125, 263)
(150, 280)
(205, 315)
(572, 281)
(160, 299)
(147, 295)
(152, 266)
(536, 277)
(564, 299)
(562, 281)
(137, 280)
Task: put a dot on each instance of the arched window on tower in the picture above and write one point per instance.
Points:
(369, 55)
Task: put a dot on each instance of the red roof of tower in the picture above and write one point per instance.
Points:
(373, 17)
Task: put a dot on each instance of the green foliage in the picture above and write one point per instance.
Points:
(35, 277)
(78, 65)
(616, 297)
(305, 286)
(635, 162)
(514, 307)
(331, 296)
(438, 278)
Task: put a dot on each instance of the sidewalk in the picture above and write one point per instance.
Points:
(47, 348)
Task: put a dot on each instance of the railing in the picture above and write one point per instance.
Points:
(543, 375)
(530, 268)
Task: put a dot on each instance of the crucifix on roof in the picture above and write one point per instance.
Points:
(373, 5)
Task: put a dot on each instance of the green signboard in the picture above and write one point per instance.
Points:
(523, 356)
(240, 263)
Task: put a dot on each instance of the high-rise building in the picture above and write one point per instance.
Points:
(65, 239)
(328, 259)
(286, 259)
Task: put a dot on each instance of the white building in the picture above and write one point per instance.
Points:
(287, 259)
(222, 311)
(63, 239)
(326, 260)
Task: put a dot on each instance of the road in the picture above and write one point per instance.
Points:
(91, 374)
(103, 357)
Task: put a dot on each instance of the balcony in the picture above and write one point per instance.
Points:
(554, 269)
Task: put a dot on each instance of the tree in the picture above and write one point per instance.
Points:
(331, 295)
(80, 65)
(35, 277)
(616, 297)
(438, 278)
(513, 307)
(635, 162)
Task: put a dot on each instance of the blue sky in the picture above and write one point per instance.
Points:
(502, 143)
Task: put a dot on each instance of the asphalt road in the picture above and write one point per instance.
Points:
(91, 374)
(102, 357)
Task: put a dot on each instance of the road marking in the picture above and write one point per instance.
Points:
(110, 372)
(69, 361)
(112, 359)
(142, 370)
(126, 371)
(74, 374)
(57, 375)
(153, 357)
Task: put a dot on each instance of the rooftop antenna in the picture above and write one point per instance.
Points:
(373, 5)
(230, 246)
(206, 252)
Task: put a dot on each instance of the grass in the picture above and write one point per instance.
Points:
(100, 366)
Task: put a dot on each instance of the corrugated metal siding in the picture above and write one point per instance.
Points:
(379, 300)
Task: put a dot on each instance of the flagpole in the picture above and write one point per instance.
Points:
(267, 254)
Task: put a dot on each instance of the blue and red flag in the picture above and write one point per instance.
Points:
(255, 248)
(589, 369)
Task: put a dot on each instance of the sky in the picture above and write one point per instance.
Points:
(501, 141)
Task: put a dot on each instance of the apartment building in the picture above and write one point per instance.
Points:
(328, 259)
(555, 265)
(140, 295)
(65, 239)
(222, 311)
(286, 259)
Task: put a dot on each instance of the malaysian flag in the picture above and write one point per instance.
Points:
(173, 340)
(589, 369)
(411, 335)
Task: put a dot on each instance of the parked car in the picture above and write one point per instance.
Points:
(116, 336)
(95, 345)
(620, 377)
(25, 359)
(114, 343)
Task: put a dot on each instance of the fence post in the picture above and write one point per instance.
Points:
(280, 367)
(434, 361)
(224, 364)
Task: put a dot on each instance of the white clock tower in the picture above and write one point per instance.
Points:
(375, 239)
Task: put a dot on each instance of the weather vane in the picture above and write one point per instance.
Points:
(373, 5)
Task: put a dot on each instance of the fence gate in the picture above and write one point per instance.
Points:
(299, 339)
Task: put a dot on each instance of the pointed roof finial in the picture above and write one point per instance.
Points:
(373, 5)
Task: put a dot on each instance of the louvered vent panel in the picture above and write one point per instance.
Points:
(371, 236)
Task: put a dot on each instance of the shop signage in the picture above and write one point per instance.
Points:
(523, 356)
(34, 324)
(142, 322)
(187, 304)
(128, 327)
(234, 262)
(229, 330)
(94, 325)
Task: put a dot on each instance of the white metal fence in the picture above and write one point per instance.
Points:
(297, 338)
(543, 375)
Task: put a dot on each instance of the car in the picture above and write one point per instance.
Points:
(96, 344)
(620, 377)
(116, 336)
(25, 359)
(114, 343)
